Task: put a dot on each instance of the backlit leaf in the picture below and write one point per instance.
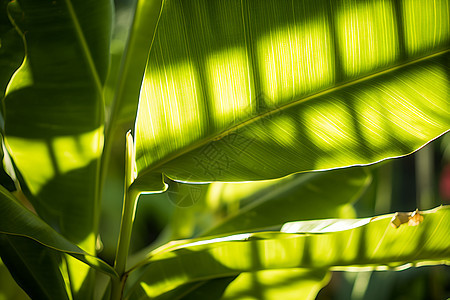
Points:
(251, 90)
(339, 244)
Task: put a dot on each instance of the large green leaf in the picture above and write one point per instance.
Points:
(16, 220)
(54, 110)
(248, 90)
(338, 244)
(271, 203)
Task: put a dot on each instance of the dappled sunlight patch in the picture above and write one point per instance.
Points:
(277, 253)
(367, 36)
(36, 172)
(426, 25)
(74, 152)
(233, 257)
(379, 238)
(156, 289)
(287, 284)
(230, 86)
(415, 103)
(329, 125)
(284, 131)
(220, 193)
(169, 115)
(57, 156)
(321, 246)
(371, 117)
(295, 60)
(78, 273)
(253, 94)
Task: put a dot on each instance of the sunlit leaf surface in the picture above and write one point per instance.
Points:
(339, 244)
(247, 90)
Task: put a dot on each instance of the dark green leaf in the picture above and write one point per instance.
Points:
(11, 48)
(54, 110)
(16, 220)
(8, 286)
(37, 269)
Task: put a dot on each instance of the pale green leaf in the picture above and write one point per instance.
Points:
(250, 90)
(337, 244)
(271, 203)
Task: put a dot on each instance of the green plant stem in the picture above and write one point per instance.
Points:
(126, 226)
(117, 288)
(131, 196)
(123, 246)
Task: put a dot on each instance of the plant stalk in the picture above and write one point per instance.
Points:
(126, 225)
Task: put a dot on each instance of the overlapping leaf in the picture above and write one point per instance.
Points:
(53, 110)
(16, 220)
(317, 195)
(243, 90)
(342, 244)
(11, 48)
(53, 113)
(35, 268)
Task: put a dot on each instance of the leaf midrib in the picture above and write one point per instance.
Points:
(84, 46)
(220, 135)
